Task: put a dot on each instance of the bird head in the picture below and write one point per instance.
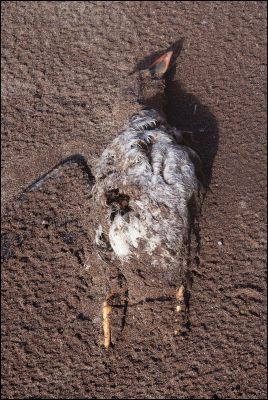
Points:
(159, 67)
(146, 83)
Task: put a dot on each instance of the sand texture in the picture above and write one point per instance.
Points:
(65, 81)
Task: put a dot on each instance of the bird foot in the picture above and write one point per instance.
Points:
(113, 316)
(180, 307)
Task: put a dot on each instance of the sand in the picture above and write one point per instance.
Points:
(65, 66)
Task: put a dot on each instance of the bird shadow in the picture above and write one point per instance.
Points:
(187, 113)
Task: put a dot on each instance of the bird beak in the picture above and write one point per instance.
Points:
(160, 66)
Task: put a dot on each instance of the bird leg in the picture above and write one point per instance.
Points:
(113, 316)
(180, 299)
(106, 311)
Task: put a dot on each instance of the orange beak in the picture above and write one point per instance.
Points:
(160, 66)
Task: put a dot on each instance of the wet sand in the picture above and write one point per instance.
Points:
(65, 68)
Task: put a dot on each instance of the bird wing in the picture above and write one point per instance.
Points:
(49, 268)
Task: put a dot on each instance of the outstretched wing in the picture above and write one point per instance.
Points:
(52, 286)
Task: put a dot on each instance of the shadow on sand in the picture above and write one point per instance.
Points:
(187, 113)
